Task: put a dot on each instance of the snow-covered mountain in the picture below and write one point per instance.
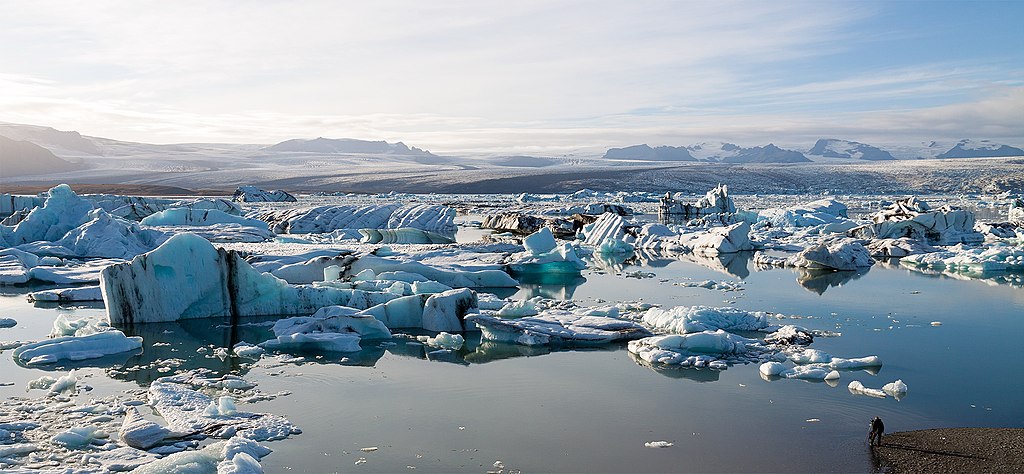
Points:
(20, 158)
(968, 148)
(54, 140)
(646, 153)
(766, 154)
(835, 148)
(713, 151)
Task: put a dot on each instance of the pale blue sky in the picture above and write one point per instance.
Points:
(526, 76)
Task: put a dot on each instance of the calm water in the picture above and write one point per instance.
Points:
(538, 409)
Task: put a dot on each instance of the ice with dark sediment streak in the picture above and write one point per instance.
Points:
(65, 295)
(254, 194)
(187, 277)
(913, 218)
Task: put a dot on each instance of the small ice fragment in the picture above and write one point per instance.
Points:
(369, 449)
(936, 323)
(462, 428)
(897, 389)
(360, 461)
(658, 444)
(813, 420)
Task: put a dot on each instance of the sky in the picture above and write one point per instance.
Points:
(544, 77)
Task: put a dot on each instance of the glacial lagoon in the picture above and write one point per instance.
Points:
(400, 406)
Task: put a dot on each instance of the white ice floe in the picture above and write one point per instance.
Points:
(333, 328)
(790, 335)
(544, 255)
(187, 277)
(452, 278)
(896, 389)
(814, 356)
(805, 372)
(81, 293)
(825, 212)
(705, 242)
(557, 327)
(249, 351)
(444, 340)
(76, 348)
(858, 388)
(71, 325)
(79, 437)
(715, 349)
(404, 235)
(141, 433)
(915, 219)
(688, 319)
(254, 194)
(313, 269)
(184, 410)
(960, 259)
(62, 211)
(518, 309)
(237, 455)
(895, 248)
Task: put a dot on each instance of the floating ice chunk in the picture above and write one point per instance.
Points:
(184, 410)
(324, 219)
(77, 347)
(790, 335)
(972, 261)
(241, 463)
(250, 351)
(858, 388)
(540, 242)
(544, 255)
(429, 287)
(687, 319)
(445, 340)
(7, 323)
(518, 309)
(608, 227)
(557, 327)
(224, 406)
(806, 372)
(897, 389)
(729, 239)
(205, 460)
(842, 254)
(79, 437)
(332, 328)
(70, 325)
(17, 449)
(15, 265)
(715, 349)
(83, 293)
(816, 213)
(187, 277)
(141, 433)
(42, 383)
(902, 247)
(659, 444)
(64, 384)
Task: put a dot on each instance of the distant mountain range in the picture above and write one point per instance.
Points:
(723, 152)
(20, 158)
(834, 148)
(346, 145)
(646, 153)
(967, 148)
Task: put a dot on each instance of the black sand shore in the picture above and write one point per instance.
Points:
(953, 450)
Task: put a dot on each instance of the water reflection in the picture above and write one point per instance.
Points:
(732, 264)
(690, 373)
(556, 286)
(819, 280)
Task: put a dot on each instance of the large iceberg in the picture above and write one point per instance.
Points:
(333, 328)
(62, 211)
(915, 219)
(688, 319)
(324, 219)
(102, 236)
(839, 254)
(187, 277)
(544, 255)
(445, 311)
(716, 201)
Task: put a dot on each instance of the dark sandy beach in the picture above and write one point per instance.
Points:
(953, 450)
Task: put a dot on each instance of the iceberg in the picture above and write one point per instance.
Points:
(715, 349)
(716, 201)
(404, 235)
(858, 388)
(446, 311)
(523, 224)
(804, 372)
(76, 348)
(254, 194)
(608, 234)
(324, 219)
(452, 278)
(62, 211)
(187, 277)
(896, 389)
(557, 327)
(332, 328)
(915, 219)
(62, 295)
(102, 236)
(897, 248)
(141, 433)
(839, 254)
(690, 319)
(972, 261)
(544, 255)
(729, 239)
